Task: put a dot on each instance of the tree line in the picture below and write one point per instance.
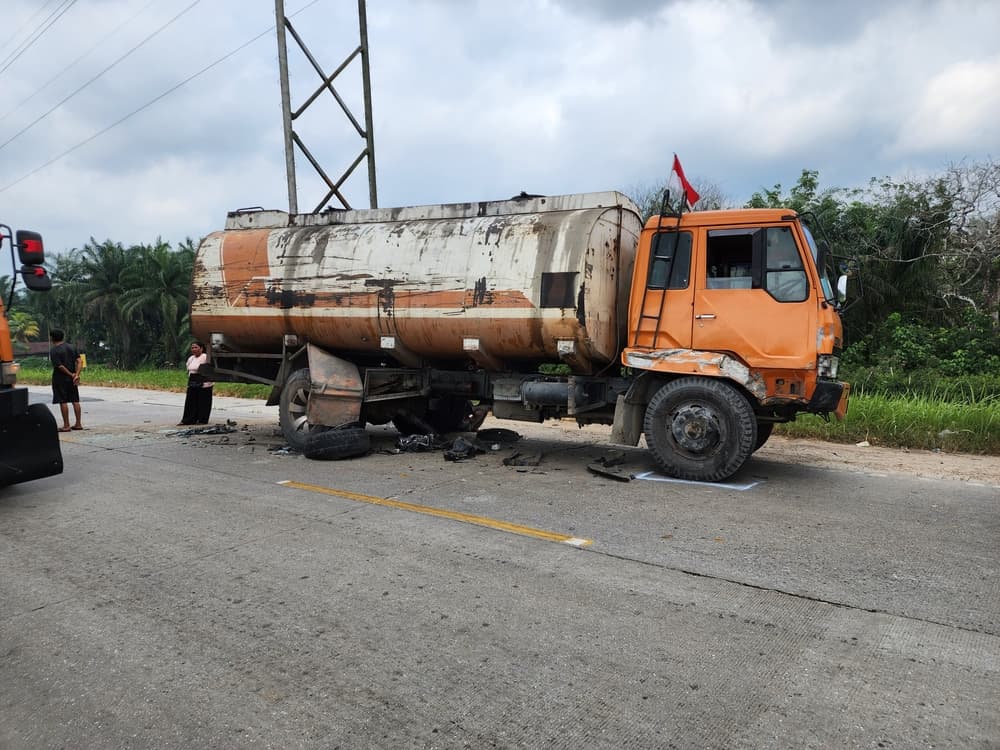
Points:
(925, 262)
(127, 306)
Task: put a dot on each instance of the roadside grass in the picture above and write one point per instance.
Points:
(941, 421)
(151, 379)
(909, 422)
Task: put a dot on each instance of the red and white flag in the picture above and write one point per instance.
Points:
(690, 194)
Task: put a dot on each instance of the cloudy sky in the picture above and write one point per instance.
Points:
(100, 135)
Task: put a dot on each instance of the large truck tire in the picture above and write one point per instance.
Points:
(29, 446)
(451, 415)
(407, 423)
(332, 445)
(764, 430)
(292, 409)
(700, 429)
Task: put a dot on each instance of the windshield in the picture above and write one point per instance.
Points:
(824, 265)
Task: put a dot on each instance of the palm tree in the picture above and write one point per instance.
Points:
(102, 267)
(157, 286)
(22, 327)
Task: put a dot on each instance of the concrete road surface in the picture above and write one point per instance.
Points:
(179, 590)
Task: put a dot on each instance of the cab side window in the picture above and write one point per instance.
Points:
(730, 259)
(785, 277)
(670, 261)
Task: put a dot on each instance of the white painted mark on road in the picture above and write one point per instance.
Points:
(652, 476)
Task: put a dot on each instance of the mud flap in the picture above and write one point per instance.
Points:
(336, 390)
(29, 446)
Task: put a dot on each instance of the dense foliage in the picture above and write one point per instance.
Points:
(126, 306)
(927, 280)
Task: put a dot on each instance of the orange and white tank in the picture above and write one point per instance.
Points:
(502, 283)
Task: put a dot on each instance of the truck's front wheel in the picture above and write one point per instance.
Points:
(292, 408)
(700, 429)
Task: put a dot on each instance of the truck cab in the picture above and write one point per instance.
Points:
(735, 313)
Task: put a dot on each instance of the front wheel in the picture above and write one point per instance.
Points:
(764, 430)
(700, 429)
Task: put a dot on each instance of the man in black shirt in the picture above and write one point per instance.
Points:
(65, 379)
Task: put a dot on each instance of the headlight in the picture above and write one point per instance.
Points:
(827, 365)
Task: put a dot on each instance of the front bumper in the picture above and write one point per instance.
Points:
(830, 396)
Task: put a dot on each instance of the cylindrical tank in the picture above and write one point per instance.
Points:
(525, 280)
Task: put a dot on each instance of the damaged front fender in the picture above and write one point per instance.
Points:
(697, 362)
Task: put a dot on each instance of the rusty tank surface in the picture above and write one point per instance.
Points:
(500, 283)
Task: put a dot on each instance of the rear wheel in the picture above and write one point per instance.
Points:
(447, 415)
(450, 415)
(700, 429)
(292, 409)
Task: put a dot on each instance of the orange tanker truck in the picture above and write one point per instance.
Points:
(29, 437)
(699, 331)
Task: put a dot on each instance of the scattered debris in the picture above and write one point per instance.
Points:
(498, 435)
(419, 443)
(462, 449)
(863, 444)
(215, 429)
(283, 450)
(521, 459)
(611, 472)
(612, 458)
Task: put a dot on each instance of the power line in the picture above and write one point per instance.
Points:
(97, 44)
(24, 46)
(27, 23)
(148, 104)
(38, 119)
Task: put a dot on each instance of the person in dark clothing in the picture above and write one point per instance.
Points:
(198, 403)
(65, 379)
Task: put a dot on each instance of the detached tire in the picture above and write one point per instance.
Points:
(333, 445)
(700, 429)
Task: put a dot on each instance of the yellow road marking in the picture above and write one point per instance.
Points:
(490, 523)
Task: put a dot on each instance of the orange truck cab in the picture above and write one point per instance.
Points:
(733, 326)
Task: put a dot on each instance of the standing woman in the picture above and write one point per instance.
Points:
(198, 404)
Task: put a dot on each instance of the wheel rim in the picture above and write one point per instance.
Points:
(696, 429)
(297, 410)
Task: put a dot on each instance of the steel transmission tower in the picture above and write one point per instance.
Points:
(292, 140)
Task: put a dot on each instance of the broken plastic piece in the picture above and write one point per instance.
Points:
(462, 449)
(519, 459)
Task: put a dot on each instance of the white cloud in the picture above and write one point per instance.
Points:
(960, 106)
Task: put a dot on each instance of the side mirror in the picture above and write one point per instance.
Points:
(35, 278)
(30, 249)
(842, 287)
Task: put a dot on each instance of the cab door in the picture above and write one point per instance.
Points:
(660, 303)
(752, 296)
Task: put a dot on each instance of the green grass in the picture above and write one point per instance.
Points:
(946, 420)
(152, 379)
(910, 422)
